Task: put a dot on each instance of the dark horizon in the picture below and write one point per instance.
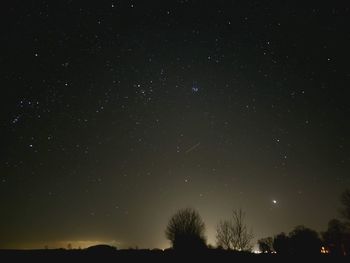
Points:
(118, 113)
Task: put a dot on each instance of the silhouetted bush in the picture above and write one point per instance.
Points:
(337, 238)
(281, 244)
(185, 230)
(345, 201)
(101, 249)
(266, 244)
(304, 241)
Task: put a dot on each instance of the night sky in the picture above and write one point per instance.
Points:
(115, 114)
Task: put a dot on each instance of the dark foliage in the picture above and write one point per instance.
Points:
(266, 245)
(281, 244)
(185, 230)
(101, 249)
(304, 241)
(300, 241)
(345, 201)
(337, 238)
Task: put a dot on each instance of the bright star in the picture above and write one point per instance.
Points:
(195, 89)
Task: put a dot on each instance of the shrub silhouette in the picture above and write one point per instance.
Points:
(101, 249)
(304, 241)
(345, 201)
(185, 230)
(337, 238)
(281, 244)
(266, 245)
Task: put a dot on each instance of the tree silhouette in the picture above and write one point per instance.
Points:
(224, 234)
(345, 201)
(233, 233)
(266, 244)
(185, 230)
(304, 241)
(337, 238)
(281, 244)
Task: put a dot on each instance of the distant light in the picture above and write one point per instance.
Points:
(274, 201)
(324, 250)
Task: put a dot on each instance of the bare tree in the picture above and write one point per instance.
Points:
(185, 230)
(224, 234)
(241, 236)
(234, 233)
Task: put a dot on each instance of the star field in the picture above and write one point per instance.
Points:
(117, 113)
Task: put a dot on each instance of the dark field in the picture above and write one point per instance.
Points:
(211, 255)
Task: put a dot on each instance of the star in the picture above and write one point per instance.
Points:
(147, 104)
(195, 89)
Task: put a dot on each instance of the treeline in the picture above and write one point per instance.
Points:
(302, 240)
(186, 232)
